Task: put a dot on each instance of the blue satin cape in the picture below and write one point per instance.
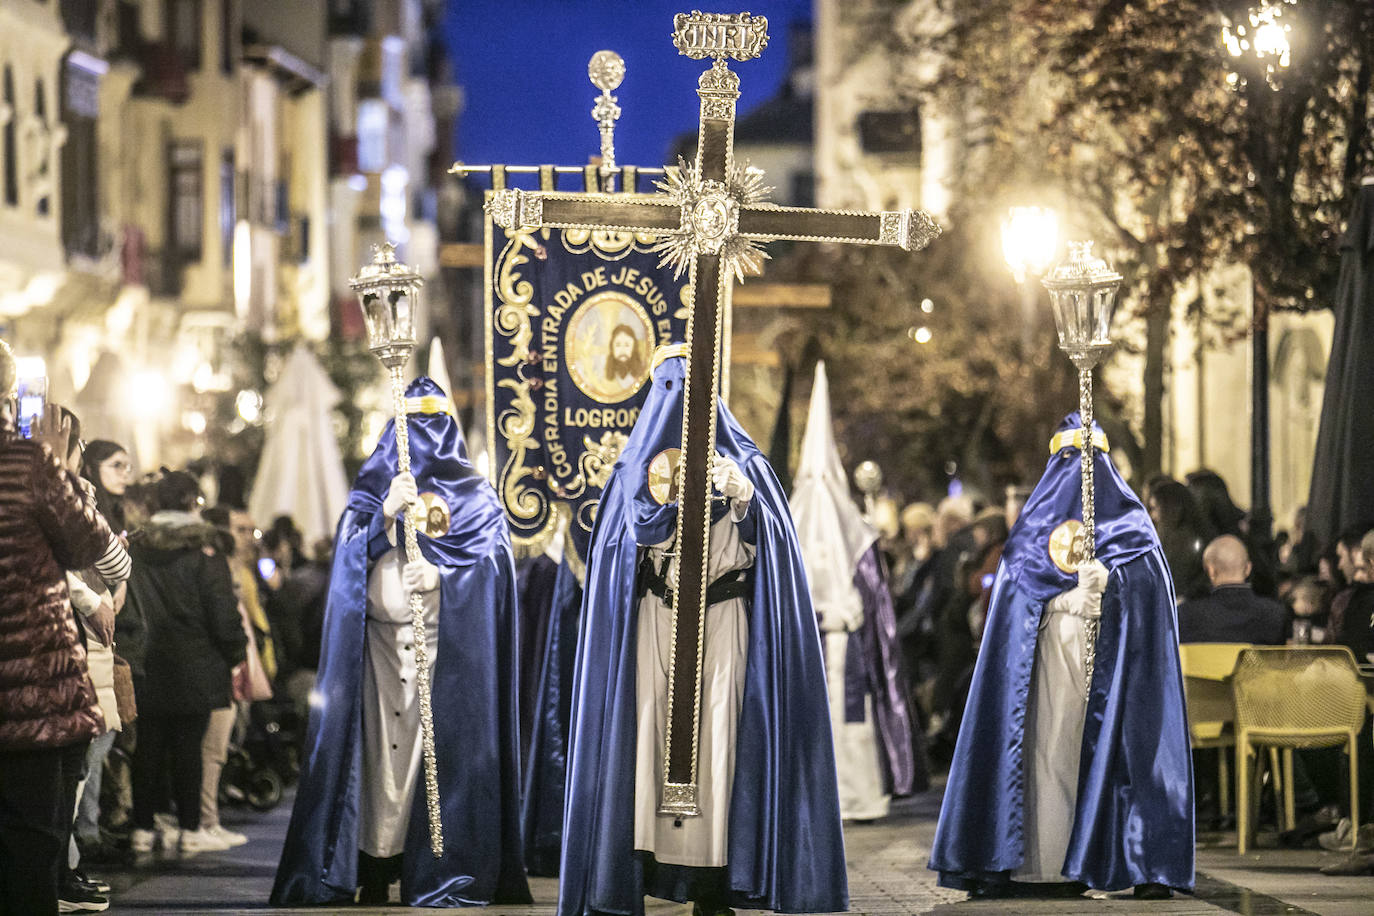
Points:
(474, 689)
(1134, 818)
(546, 766)
(786, 850)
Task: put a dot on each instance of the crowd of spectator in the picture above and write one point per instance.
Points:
(142, 635)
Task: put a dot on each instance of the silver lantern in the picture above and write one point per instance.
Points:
(1083, 296)
(389, 293)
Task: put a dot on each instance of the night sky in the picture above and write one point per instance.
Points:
(523, 69)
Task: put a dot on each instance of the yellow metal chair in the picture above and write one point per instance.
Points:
(1207, 669)
(1292, 697)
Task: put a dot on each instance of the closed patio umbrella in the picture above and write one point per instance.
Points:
(301, 473)
(1342, 493)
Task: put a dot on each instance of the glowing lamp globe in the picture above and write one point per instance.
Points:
(1083, 296)
(389, 293)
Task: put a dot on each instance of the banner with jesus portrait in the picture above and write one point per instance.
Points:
(572, 319)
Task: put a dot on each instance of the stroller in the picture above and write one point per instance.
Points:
(263, 757)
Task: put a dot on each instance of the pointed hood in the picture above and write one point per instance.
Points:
(439, 461)
(830, 527)
(438, 366)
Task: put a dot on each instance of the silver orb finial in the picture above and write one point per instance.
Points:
(606, 70)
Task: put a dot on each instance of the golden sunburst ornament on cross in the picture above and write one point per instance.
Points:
(710, 218)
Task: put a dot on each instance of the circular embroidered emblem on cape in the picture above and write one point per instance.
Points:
(663, 476)
(430, 515)
(1066, 546)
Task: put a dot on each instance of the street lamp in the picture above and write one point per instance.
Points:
(389, 293)
(1263, 37)
(1029, 238)
(1083, 296)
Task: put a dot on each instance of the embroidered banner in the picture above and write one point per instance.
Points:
(573, 317)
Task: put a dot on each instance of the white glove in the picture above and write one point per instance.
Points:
(730, 480)
(1085, 599)
(1092, 576)
(402, 493)
(836, 620)
(420, 576)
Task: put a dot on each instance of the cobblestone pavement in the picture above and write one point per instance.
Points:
(887, 877)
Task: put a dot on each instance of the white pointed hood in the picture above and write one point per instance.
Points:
(830, 528)
(438, 366)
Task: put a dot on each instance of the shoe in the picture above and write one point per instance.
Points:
(230, 838)
(1311, 825)
(1338, 839)
(1152, 891)
(1358, 864)
(80, 877)
(1364, 840)
(142, 840)
(168, 835)
(374, 894)
(711, 909)
(193, 842)
(80, 898)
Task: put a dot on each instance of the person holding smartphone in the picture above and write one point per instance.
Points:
(48, 706)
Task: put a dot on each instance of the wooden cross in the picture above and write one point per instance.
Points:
(710, 221)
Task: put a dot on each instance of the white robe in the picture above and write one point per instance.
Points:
(857, 765)
(392, 749)
(703, 840)
(1055, 712)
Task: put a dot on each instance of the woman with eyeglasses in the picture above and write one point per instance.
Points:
(107, 465)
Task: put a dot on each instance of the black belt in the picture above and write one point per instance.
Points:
(737, 584)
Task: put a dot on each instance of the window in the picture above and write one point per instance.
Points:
(372, 127)
(43, 150)
(183, 30)
(228, 206)
(80, 181)
(891, 132)
(226, 38)
(186, 198)
(11, 141)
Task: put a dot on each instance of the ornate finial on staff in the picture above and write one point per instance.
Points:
(1083, 295)
(738, 36)
(868, 477)
(606, 70)
(389, 293)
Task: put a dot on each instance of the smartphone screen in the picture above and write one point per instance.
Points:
(266, 567)
(33, 392)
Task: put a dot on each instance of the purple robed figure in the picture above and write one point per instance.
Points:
(1061, 775)
(874, 752)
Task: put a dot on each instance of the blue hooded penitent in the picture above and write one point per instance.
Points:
(546, 765)
(1133, 823)
(473, 686)
(785, 847)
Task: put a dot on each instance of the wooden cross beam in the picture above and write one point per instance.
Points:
(711, 220)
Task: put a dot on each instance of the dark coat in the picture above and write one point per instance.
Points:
(47, 525)
(1232, 613)
(182, 593)
(1357, 622)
